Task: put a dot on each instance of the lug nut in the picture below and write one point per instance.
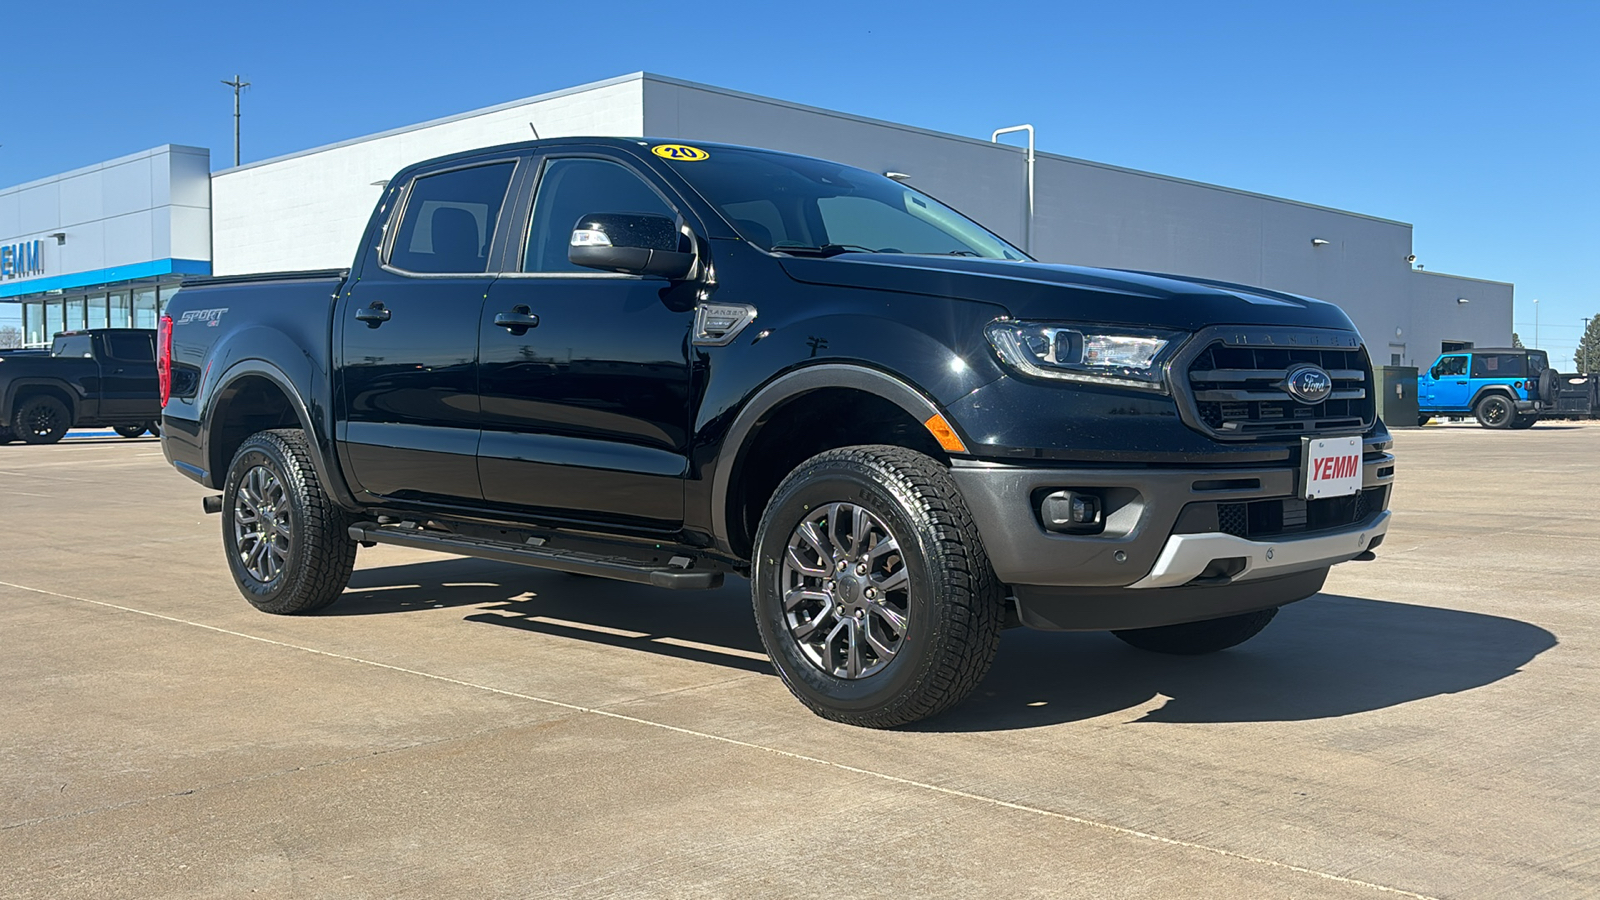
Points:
(872, 592)
(842, 564)
(839, 610)
(861, 569)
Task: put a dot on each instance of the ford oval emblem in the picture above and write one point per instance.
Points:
(1308, 384)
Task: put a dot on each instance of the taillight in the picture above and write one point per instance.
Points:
(164, 359)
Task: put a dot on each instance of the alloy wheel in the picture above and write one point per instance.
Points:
(261, 526)
(846, 591)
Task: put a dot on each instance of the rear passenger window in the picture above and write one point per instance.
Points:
(75, 345)
(130, 346)
(449, 220)
(573, 188)
(1498, 365)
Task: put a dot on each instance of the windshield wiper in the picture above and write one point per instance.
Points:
(826, 250)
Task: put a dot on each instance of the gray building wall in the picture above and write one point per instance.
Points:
(1093, 214)
(122, 216)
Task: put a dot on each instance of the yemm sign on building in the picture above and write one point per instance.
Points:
(20, 260)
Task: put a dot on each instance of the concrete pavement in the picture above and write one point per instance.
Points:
(1425, 727)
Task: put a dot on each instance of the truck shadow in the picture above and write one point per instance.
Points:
(1324, 657)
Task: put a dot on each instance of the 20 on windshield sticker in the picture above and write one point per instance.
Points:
(682, 152)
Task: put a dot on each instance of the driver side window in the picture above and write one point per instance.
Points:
(575, 187)
(1452, 365)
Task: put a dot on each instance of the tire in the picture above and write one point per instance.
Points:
(1496, 411)
(934, 602)
(1423, 420)
(1196, 638)
(6, 435)
(1522, 422)
(154, 427)
(41, 419)
(1547, 385)
(128, 431)
(304, 563)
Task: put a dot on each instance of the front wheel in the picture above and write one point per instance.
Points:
(872, 590)
(286, 541)
(41, 419)
(1496, 411)
(1196, 638)
(128, 431)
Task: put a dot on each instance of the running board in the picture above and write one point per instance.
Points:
(673, 577)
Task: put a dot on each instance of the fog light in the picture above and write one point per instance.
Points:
(1070, 511)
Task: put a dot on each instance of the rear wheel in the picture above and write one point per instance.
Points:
(286, 542)
(1496, 411)
(1196, 638)
(41, 419)
(872, 590)
(128, 431)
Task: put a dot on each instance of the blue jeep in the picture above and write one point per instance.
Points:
(1502, 387)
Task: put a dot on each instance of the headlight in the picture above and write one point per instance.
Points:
(1125, 357)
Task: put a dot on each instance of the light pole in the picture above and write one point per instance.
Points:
(1583, 341)
(238, 84)
(1536, 324)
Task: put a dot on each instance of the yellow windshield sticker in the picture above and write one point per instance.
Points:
(679, 151)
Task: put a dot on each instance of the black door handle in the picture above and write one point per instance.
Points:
(373, 315)
(518, 320)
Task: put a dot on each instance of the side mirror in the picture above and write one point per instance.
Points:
(630, 242)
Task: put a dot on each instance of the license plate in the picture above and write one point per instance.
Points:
(1331, 467)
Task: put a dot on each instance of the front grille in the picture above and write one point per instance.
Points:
(1238, 390)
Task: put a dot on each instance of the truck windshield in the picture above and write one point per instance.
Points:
(809, 207)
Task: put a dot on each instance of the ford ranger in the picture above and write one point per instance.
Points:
(664, 362)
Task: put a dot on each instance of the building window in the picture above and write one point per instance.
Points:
(97, 311)
(33, 334)
(144, 308)
(75, 314)
(121, 311)
(52, 319)
(168, 291)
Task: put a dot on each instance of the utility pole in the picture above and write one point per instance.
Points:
(238, 84)
(1536, 323)
(1583, 341)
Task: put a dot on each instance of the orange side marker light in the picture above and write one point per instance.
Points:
(944, 434)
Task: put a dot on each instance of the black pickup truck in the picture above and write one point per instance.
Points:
(95, 378)
(661, 363)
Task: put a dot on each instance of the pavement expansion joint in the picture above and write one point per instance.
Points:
(799, 757)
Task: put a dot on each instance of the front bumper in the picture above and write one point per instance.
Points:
(1177, 544)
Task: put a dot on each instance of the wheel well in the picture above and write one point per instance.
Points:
(29, 391)
(250, 404)
(800, 428)
(1499, 389)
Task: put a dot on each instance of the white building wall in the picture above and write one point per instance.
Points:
(306, 211)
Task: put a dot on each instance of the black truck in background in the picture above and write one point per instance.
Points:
(663, 362)
(87, 379)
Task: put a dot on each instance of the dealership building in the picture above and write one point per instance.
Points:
(107, 244)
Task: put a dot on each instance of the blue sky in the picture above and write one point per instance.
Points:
(1477, 122)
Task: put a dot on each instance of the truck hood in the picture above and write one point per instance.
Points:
(1028, 290)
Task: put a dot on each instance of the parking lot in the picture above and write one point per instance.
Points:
(1425, 727)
